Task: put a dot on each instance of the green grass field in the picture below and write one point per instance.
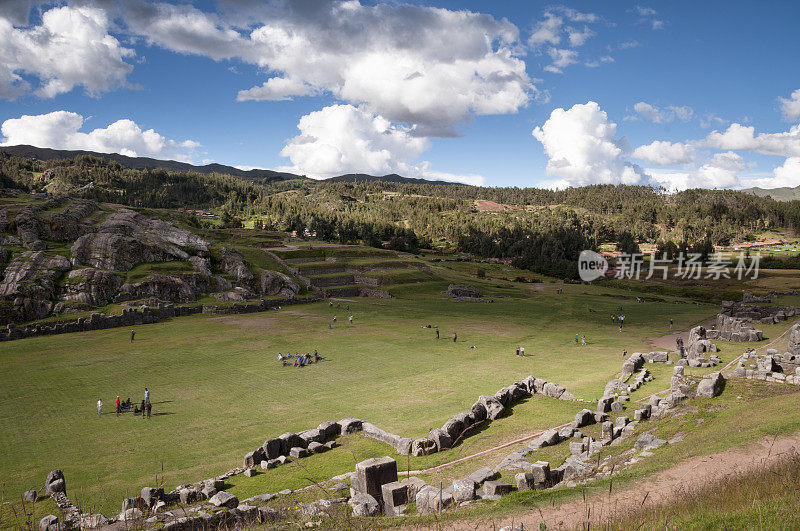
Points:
(218, 390)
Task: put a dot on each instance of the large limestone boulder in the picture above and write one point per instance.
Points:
(553, 390)
(711, 385)
(464, 490)
(55, 482)
(289, 440)
(440, 438)
(453, 428)
(372, 474)
(633, 363)
(49, 523)
(648, 442)
(423, 446)
(224, 499)
(583, 418)
(364, 505)
(470, 292)
(794, 340)
(430, 499)
(276, 284)
(493, 407)
(131, 503)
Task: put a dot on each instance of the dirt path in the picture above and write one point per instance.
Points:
(659, 488)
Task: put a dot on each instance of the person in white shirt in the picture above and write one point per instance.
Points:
(99, 408)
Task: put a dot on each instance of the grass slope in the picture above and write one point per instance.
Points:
(218, 390)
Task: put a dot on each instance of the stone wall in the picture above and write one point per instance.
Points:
(729, 328)
(374, 293)
(758, 314)
(749, 298)
(368, 281)
(698, 347)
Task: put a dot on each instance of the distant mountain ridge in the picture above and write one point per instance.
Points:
(778, 194)
(390, 178)
(145, 163)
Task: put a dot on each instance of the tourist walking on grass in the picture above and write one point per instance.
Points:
(351, 319)
(99, 408)
(149, 408)
(116, 404)
(577, 339)
(583, 341)
(670, 324)
(437, 334)
(132, 334)
(455, 337)
(517, 351)
(146, 395)
(522, 351)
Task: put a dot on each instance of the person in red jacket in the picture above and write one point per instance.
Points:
(116, 404)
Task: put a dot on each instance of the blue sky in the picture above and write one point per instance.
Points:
(500, 93)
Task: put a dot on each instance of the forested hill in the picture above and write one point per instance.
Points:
(543, 230)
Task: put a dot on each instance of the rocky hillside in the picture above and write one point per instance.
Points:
(62, 255)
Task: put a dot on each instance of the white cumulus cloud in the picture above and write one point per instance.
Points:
(61, 130)
(341, 139)
(720, 171)
(431, 67)
(785, 175)
(662, 153)
(740, 137)
(582, 148)
(71, 47)
(791, 106)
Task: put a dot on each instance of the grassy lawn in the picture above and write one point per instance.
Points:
(218, 391)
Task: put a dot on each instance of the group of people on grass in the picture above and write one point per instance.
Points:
(124, 406)
(299, 360)
(580, 340)
(339, 305)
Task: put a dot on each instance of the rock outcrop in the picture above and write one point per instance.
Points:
(126, 238)
(91, 286)
(29, 281)
(462, 292)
